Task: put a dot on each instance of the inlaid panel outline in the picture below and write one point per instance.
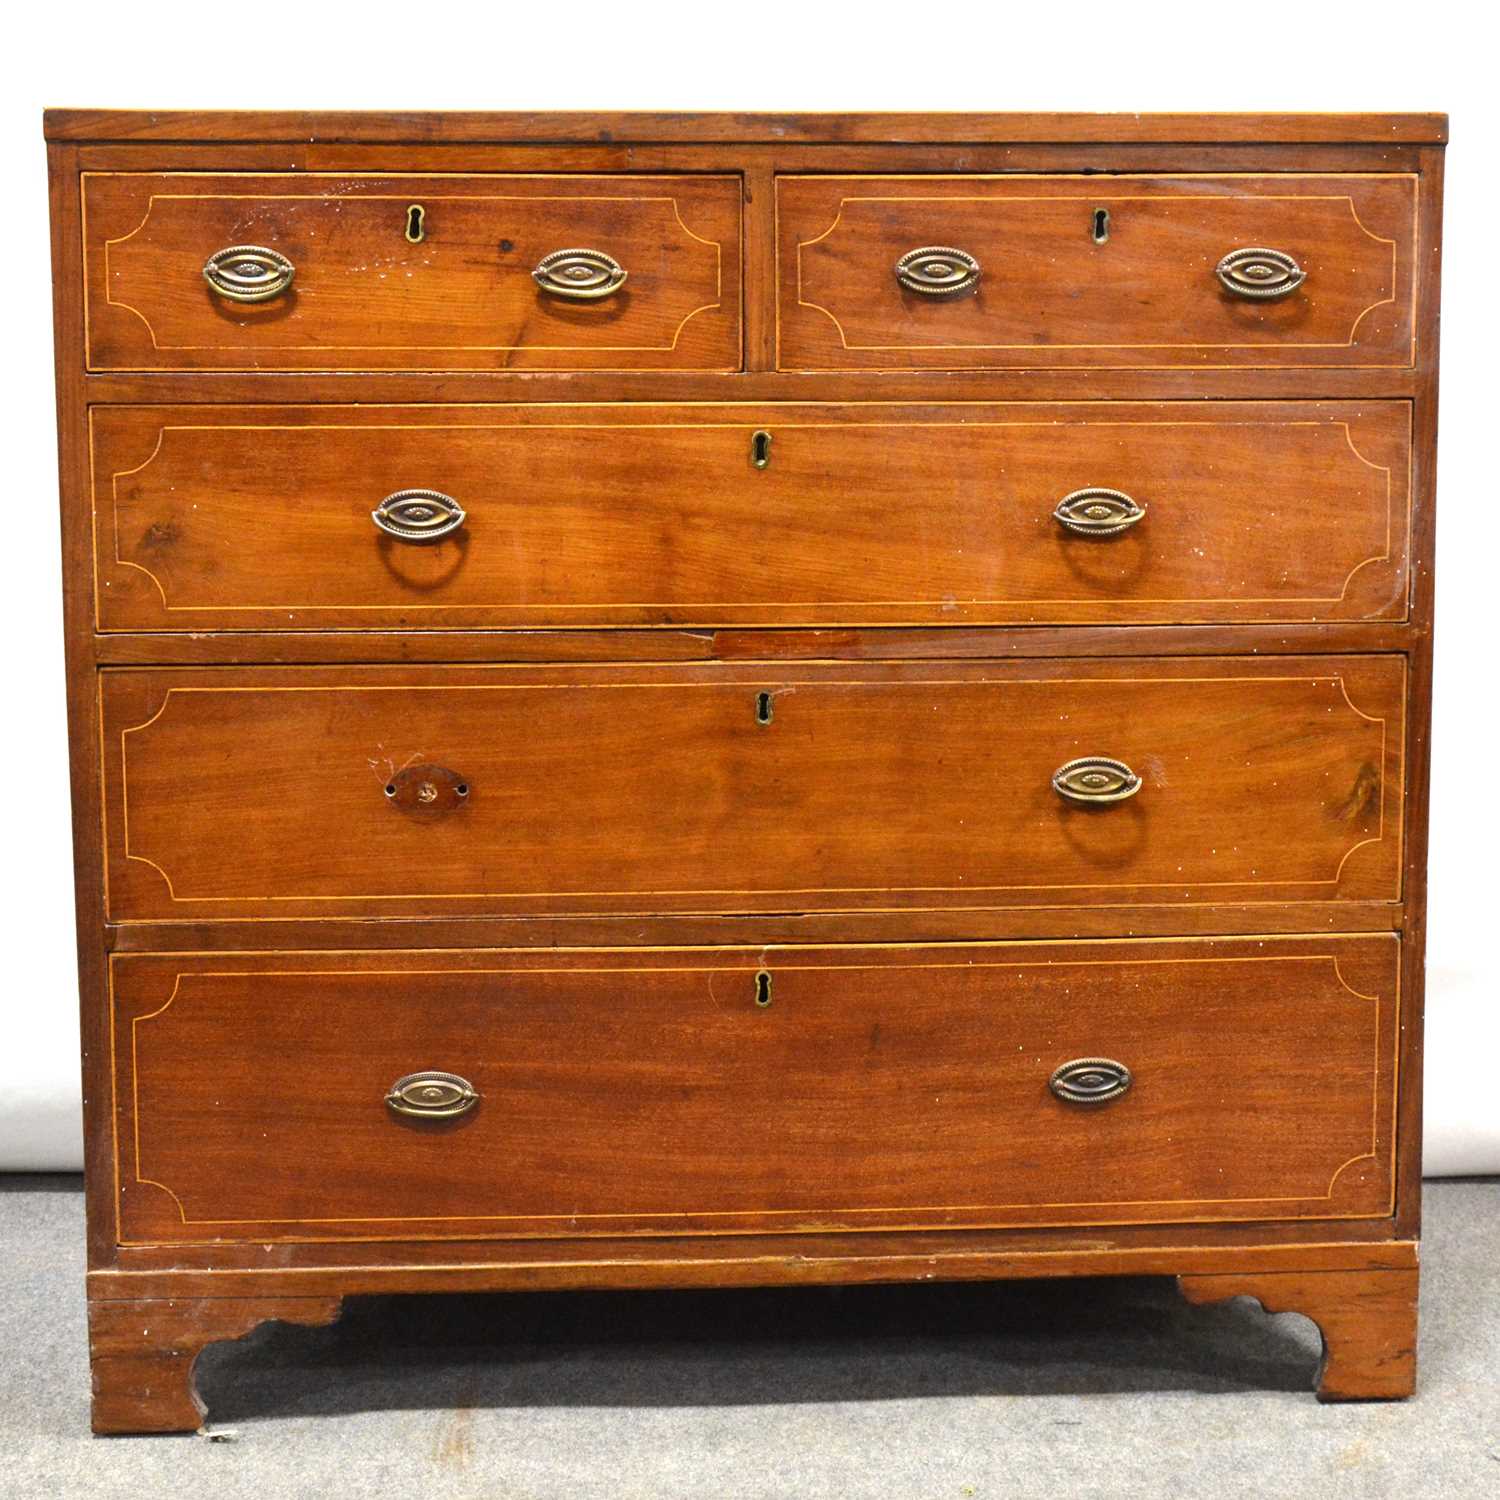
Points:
(770, 953)
(1327, 424)
(1409, 181)
(1336, 679)
(403, 198)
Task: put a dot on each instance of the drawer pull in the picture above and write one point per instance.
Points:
(1095, 781)
(248, 273)
(427, 788)
(1090, 1080)
(1098, 512)
(1259, 274)
(418, 515)
(938, 271)
(432, 1096)
(582, 275)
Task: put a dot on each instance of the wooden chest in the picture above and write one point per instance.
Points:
(728, 700)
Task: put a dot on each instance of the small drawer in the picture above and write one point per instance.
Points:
(501, 1093)
(312, 271)
(332, 517)
(1110, 272)
(751, 787)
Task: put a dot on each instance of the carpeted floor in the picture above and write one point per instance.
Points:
(1098, 1389)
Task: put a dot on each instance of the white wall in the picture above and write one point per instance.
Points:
(766, 56)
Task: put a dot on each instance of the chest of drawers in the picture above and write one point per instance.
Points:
(713, 701)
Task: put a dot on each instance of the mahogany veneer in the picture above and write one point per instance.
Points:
(802, 499)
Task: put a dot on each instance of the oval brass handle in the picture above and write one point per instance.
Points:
(433, 788)
(1095, 781)
(1259, 274)
(1090, 1080)
(1098, 512)
(418, 515)
(432, 1096)
(582, 275)
(938, 271)
(248, 273)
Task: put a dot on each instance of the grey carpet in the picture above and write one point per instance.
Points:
(1098, 1389)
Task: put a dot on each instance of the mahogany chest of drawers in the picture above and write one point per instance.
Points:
(721, 700)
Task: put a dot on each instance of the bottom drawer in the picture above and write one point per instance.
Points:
(790, 1089)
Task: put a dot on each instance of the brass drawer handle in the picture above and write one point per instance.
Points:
(248, 273)
(1259, 274)
(581, 275)
(427, 788)
(418, 515)
(432, 1096)
(938, 271)
(1095, 781)
(1090, 1080)
(1098, 512)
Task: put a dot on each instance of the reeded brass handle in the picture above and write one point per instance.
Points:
(248, 273)
(1090, 1080)
(581, 275)
(1098, 512)
(432, 1096)
(938, 271)
(418, 515)
(1259, 274)
(1095, 781)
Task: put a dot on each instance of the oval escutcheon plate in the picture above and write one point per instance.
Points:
(1259, 274)
(938, 271)
(583, 275)
(1095, 781)
(1090, 1080)
(1098, 512)
(418, 515)
(432, 1095)
(248, 273)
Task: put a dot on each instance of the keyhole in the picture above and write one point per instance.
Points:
(763, 988)
(415, 229)
(760, 449)
(1101, 225)
(762, 708)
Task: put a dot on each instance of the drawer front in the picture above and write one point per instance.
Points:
(271, 517)
(364, 294)
(1108, 272)
(750, 787)
(787, 1089)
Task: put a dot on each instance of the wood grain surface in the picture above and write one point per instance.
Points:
(576, 516)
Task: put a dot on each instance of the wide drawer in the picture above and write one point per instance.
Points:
(783, 1088)
(652, 280)
(1113, 272)
(272, 517)
(750, 787)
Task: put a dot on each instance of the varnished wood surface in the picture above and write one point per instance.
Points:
(363, 296)
(142, 1353)
(864, 514)
(672, 1091)
(1049, 293)
(758, 151)
(884, 787)
(1368, 1320)
(550, 127)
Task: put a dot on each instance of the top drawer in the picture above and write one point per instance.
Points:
(1111, 272)
(412, 272)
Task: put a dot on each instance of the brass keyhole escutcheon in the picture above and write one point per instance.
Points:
(1101, 225)
(764, 708)
(416, 227)
(763, 988)
(760, 449)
